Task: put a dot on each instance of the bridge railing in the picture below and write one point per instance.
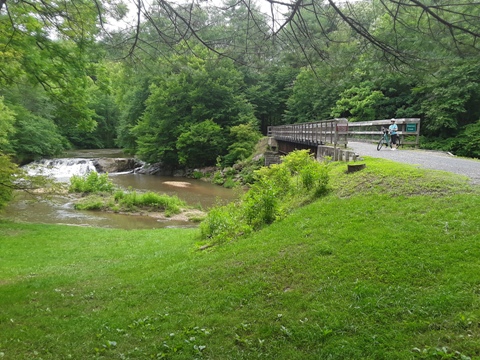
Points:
(334, 131)
(340, 131)
(371, 131)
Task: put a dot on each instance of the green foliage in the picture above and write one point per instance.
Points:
(452, 99)
(8, 172)
(244, 137)
(197, 174)
(91, 183)
(207, 136)
(262, 203)
(35, 137)
(190, 92)
(224, 223)
(358, 103)
(93, 202)
(169, 204)
(468, 142)
(269, 91)
(247, 170)
(218, 178)
(7, 120)
(275, 191)
(132, 201)
(132, 92)
(49, 44)
(106, 115)
(315, 177)
(311, 99)
(229, 183)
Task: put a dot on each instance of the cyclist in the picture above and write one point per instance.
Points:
(393, 129)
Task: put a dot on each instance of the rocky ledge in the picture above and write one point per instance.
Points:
(114, 165)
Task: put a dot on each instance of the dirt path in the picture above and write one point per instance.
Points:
(435, 160)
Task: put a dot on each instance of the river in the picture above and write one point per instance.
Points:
(59, 209)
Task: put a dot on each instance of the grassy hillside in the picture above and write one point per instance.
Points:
(387, 266)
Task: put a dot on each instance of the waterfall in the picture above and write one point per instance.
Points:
(60, 169)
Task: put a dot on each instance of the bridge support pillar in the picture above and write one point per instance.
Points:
(335, 153)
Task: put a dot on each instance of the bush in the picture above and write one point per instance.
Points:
(90, 203)
(169, 204)
(314, 177)
(223, 223)
(276, 189)
(229, 183)
(91, 183)
(247, 172)
(261, 204)
(218, 178)
(197, 174)
(468, 142)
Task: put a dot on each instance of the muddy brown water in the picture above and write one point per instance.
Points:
(59, 209)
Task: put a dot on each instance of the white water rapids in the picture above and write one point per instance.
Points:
(60, 169)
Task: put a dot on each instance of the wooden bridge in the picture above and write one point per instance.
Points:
(330, 137)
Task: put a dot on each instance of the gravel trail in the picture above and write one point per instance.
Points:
(435, 160)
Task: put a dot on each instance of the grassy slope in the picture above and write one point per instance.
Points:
(385, 267)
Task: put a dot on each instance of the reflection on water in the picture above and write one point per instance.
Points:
(59, 210)
(198, 192)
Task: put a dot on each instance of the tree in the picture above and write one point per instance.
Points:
(452, 98)
(244, 138)
(191, 90)
(48, 43)
(358, 103)
(7, 120)
(35, 133)
(8, 170)
(269, 91)
(200, 144)
(35, 137)
(308, 25)
(312, 98)
(468, 142)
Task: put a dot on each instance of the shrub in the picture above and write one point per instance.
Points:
(276, 189)
(131, 200)
(314, 177)
(91, 183)
(229, 183)
(218, 178)
(197, 174)
(90, 203)
(247, 172)
(261, 204)
(468, 142)
(223, 223)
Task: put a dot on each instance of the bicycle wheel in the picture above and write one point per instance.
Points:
(380, 144)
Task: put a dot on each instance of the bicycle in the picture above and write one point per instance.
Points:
(385, 140)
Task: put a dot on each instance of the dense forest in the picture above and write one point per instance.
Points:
(162, 79)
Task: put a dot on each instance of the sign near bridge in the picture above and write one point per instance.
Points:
(411, 128)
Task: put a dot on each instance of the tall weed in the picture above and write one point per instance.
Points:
(91, 183)
(224, 223)
(276, 190)
(131, 200)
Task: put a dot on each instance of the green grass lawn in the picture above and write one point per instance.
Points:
(386, 266)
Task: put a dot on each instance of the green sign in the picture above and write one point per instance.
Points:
(411, 127)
